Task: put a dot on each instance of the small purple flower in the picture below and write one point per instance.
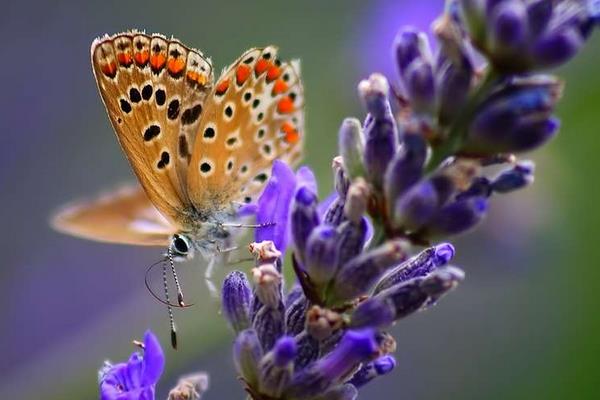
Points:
(136, 378)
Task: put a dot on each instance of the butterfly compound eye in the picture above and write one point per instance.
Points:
(180, 245)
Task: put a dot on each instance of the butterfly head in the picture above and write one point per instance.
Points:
(181, 247)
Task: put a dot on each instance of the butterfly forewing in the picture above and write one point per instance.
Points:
(253, 115)
(153, 90)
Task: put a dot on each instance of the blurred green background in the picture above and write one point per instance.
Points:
(523, 325)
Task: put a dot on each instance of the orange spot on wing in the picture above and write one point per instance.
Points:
(261, 66)
(279, 87)
(273, 73)
(157, 61)
(175, 65)
(222, 87)
(196, 77)
(291, 134)
(109, 69)
(141, 58)
(124, 59)
(285, 105)
(242, 73)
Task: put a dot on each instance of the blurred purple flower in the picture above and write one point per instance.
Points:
(136, 378)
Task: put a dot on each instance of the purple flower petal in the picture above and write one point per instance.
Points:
(274, 206)
(153, 361)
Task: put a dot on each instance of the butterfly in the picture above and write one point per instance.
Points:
(201, 149)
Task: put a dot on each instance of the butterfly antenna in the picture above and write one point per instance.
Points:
(169, 308)
(176, 279)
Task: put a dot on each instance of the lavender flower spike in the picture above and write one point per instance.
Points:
(135, 379)
(236, 298)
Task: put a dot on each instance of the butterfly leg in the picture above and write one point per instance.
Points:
(208, 273)
(263, 225)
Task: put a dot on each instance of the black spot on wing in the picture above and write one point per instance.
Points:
(191, 115)
(151, 132)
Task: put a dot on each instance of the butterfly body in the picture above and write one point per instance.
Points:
(201, 148)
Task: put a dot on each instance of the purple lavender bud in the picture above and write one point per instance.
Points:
(372, 370)
(408, 47)
(441, 281)
(285, 351)
(539, 13)
(247, 354)
(351, 147)
(358, 275)
(420, 85)
(556, 48)
(406, 168)
(454, 79)
(416, 207)
(236, 297)
(304, 219)
(374, 92)
(509, 25)
(457, 217)
(481, 186)
(518, 177)
(351, 240)
(354, 348)
(418, 266)
(380, 129)
(277, 367)
(269, 324)
(321, 254)
(517, 118)
(405, 298)
(295, 316)
(341, 181)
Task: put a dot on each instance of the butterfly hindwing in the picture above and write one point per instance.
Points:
(123, 216)
(153, 89)
(253, 115)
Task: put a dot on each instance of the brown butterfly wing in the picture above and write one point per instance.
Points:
(125, 216)
(153, 90)
(253, 116)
